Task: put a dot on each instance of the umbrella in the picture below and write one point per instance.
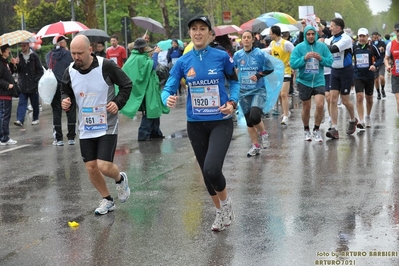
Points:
(226, 29)
(95, 35)
(166, 44)
(279, 17)
(62, 27)
(256, 25)
(283, 27)
(149, 24)
(15, 37)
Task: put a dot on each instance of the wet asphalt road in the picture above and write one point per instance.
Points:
(298, 203)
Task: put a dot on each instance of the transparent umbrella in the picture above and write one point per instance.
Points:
(149, 24)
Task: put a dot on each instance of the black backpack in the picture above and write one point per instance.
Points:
(163, 73)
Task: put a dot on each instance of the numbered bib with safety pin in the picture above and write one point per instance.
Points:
(245, 77)
(95, 118)
(362, 60)
(205, 100)
(312, 66)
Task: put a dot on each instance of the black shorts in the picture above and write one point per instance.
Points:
(286, 79)
(305, 92)
(327, 79)
(342, 79)
(395, 84)
(102, 148)
(364, 85)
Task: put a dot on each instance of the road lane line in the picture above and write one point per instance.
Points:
(15, 148)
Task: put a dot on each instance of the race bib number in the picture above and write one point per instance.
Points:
(245, 77)
(397, 65)
(94, 118)
(337, 56)
(174, 60)
(312, 66)
(362, 60)
(205, 100)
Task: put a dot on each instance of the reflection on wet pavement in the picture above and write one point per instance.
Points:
(298, 203)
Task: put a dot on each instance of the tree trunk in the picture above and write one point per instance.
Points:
(165, 18)
(90, 13)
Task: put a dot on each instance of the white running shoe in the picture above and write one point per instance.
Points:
(35, 122)
(228, 213)
(317, 136)
(123, 188)
(361, 127)
(105, 207)
(218, 224)
(264, 141)
(253, 151)
(9, 142)
(368, 121)
(58, 143)
(285, 120)
(308, 136)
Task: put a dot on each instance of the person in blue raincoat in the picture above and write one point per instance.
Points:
(310, 57)
(253, 65)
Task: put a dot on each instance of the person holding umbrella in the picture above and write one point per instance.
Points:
(100, 46)
(7, 84)
(209, 108)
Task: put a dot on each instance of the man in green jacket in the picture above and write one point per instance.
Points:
(145, 96)
(310, 57)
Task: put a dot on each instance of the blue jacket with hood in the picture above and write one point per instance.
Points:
(58, 60)
(311, 71)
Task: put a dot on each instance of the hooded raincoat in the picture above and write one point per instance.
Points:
(146, 93)
(311, 71)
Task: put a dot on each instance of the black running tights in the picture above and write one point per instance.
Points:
(210, 141)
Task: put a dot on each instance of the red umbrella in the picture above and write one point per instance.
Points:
(62, 27)
(226, 29)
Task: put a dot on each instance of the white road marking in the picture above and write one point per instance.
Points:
(15, 148)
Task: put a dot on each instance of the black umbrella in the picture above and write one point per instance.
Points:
(95, 35)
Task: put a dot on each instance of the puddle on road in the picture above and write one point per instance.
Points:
(178, 134)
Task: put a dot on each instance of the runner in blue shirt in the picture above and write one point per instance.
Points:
(209, 109)
(252, 65)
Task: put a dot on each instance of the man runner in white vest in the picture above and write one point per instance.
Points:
(90, 80)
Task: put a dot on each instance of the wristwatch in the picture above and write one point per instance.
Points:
(234, 104)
